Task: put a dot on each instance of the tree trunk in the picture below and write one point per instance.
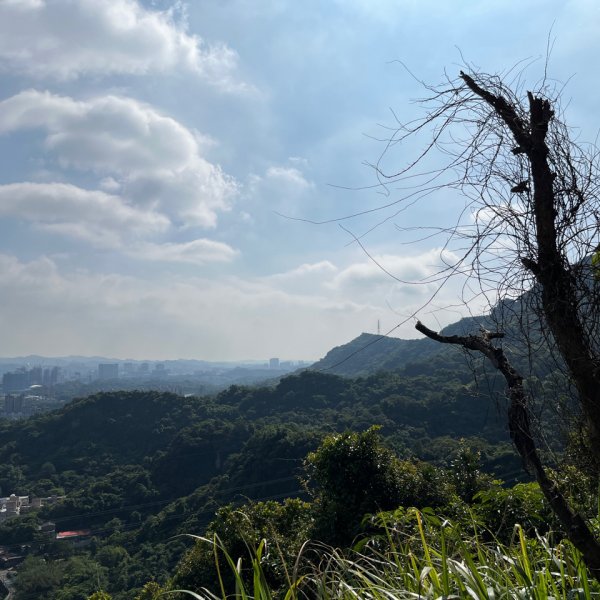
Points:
(551, 268)
(520, 431)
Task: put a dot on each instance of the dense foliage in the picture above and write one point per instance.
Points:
(138, 468)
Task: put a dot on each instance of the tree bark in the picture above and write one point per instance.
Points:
(550, 267)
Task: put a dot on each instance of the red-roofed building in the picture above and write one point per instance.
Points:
(77, 537)
(68, 535)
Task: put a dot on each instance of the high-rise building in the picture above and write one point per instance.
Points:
(128, 368)
(35, 376)
(14, 382)
(273, 363)
(55, 375)
(108, 371)
(13, 404)
(50, 376)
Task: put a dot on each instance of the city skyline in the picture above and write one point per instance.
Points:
(164, 165)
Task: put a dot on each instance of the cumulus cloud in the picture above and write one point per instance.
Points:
(284, 187)
(196, 252)
(409, 285)
(104, 220)
(308, 277)
(95, 216)
(154, 160)
(69, 38)
(388, 270)
(368, 280)
(321, 268)
(288, 176)
(192, 195)
(183, 316)
(108, 133)
(95, 313)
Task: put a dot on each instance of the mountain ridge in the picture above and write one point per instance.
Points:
(369, 353)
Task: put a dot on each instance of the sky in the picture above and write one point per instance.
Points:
(173, 174)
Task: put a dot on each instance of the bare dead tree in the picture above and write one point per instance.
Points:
(520, 432)
(534, 211)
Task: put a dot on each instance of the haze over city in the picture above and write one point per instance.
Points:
(154, 152)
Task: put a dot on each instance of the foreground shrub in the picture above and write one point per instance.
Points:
(419, 556)
(286, 525)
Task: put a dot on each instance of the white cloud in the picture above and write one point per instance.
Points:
(284, 188)
(391, 278)
(108, 133)
(309, 278)
(64, 39)
(110, 184)
(24, 4)
(192, 195)
(127, 316)
(322, 268)
(225, 317)
(95, 216)
(388, 270)
(154, 159)
(288, 176)
(104, 220)
(408, 287)
(197, 252)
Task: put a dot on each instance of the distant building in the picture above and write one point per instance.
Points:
(11, 506)
(51, 376)
(78, 538)
(36, 376)
(159, 370)
(273, 363)
(9, 560)
(128, 368)
(13, 404)
(15, 382)
(16, 506)
(108, 371)
(47, 530)
(22, 379)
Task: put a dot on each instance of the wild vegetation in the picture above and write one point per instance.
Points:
(138, 468)
(142, 469)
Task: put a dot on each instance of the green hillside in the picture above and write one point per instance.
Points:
(138, 467)
(368, 353)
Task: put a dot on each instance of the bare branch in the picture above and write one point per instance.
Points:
(520, 432)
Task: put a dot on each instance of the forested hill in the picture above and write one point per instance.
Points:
(139, 467)
(113, 450)
(524, 343)
(369, 353)
(96, 434)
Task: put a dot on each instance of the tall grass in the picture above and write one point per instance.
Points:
(421, 557)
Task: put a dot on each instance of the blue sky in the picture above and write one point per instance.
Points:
(149, 150)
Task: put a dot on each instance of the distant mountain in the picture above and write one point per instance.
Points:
(368, 353)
